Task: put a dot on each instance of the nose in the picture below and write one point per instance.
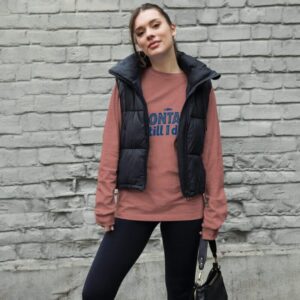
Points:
(149, 34)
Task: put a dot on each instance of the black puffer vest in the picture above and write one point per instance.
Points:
(134, 143)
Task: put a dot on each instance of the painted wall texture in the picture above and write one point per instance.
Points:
(54, 93)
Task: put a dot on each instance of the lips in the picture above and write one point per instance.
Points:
(153, 44)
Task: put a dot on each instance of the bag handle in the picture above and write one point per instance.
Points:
(202, 252)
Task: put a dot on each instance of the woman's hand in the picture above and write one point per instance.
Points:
(109, 228)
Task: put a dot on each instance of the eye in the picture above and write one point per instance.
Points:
(156, 25)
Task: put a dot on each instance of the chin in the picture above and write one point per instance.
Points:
(158, 52)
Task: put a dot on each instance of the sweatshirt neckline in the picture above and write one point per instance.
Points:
(165, 74)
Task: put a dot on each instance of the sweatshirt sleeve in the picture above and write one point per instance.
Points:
(215, 209)
(107, 173)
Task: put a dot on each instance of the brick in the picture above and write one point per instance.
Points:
(191, 48)
(250, 15)
(99, 36)
(216, 3)
(269, 64)
(183, 3)
(264, 81)
(261, 112)
(261, 96)
(291, 111)
(230, 49)
(236, 3)
(8, 107)
(8, 253)
(35, 122)
(264, 2)
(234, 65)
(79, 86)
(258, 145)
(259, 237)
(208, 50)
(79, 21)
(100, 53)
(23, 73)
(48, 38)
(293, 64)
(261, 31)
(285, 96)
(229, 16)
(207, 16)
(32, 21)
(77, 54)
(94, 5)
(286, 236)
(94, 102)
(8, 157)
(229, 32)
(285, 48)
(270, 15)
(67, 5)
(270, 222)
(56, 155)
(95, 70)
(270, 208)
(17, 6)
(8, 72)
(59, 122)
(282, 32)
(120, 52)
(31, 251)
(119, 20)
(229, 82)
(236, 224)
(291, 81)
(255, 48)
(185, 17)
(91, 135)
(10, 125)
(55, 71)
(229, 113)
(291, 15)
(191, 34)
(80, 119)
(286, 128)
(101, 86)
(37, 86)
(277, 192)
(27, 157)
(43, 6)
(13, 37)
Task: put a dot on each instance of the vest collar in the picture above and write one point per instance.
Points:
(196, 71)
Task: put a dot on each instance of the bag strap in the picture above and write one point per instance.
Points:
(202, 252)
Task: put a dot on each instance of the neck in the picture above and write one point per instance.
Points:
(166, 62)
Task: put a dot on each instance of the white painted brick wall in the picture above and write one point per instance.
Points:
(54, 93)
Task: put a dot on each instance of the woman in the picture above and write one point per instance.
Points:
(161, 153)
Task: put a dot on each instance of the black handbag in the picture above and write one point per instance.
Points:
(213, 288)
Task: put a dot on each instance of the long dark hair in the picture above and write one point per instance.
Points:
(142, 57)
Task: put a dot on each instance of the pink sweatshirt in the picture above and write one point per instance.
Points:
(162, 199)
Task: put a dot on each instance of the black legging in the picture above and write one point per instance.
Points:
(120, 248)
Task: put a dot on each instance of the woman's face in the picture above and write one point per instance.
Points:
(150, 26)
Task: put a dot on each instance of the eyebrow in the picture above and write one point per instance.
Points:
(151, 21)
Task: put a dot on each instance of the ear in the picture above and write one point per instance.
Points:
(173, 29)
